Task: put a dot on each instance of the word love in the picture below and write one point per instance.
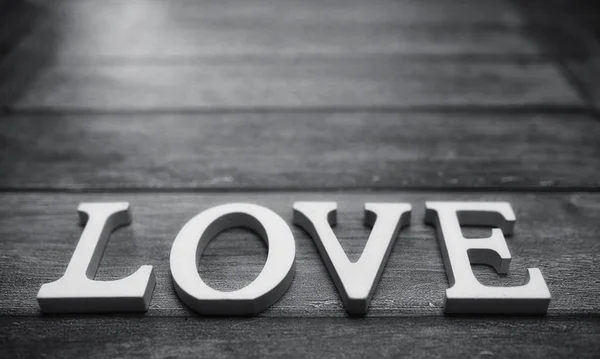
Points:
(76, 291)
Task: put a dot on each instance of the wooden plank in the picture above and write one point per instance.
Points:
(557, 233)
(171, 44)
(330, 83)
(566, 30)
(409, 12)
(95, 337)
(16, 19)
(289, 150)
(151, 30)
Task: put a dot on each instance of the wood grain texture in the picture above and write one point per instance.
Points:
(368, 82)
(152, 31)
(557, 233)
(300, 150)
(100, 337)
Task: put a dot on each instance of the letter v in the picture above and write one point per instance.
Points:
(356, 282)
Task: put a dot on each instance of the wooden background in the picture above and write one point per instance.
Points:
(176, 106)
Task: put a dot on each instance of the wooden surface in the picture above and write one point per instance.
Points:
(487, 337)
(321, 83)
(17, 18)
(314, 150)
(177, 106)
(154, 58)
(150, 30)
(569, 31)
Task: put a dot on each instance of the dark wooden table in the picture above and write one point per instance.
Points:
(176, 106)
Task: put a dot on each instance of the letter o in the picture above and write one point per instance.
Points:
(272, 282)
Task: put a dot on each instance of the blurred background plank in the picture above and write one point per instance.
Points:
(556, 232)
(16, 20)
(295, 150)
(428, 12)
(569, 30)
(278, 54)
(328, 83)
(152, 30)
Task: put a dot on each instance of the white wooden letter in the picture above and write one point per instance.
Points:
(355, 282)
(272, 282)
(76, 291)
(466, 294)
